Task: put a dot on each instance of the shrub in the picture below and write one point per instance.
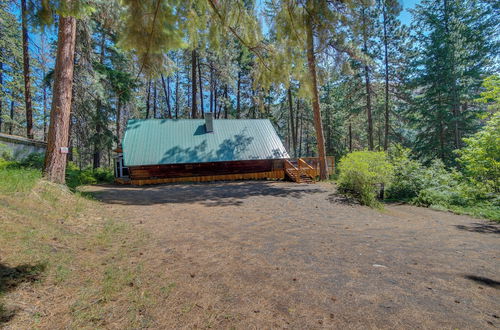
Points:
(407, 181)
(34, 160)
(76, 177)
(361, 172)
(5, 153)
(480, 159)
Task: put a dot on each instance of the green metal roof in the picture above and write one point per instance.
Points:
(168, 141)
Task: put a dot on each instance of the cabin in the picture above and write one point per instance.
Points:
(167, 150)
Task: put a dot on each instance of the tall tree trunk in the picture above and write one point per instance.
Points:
(155, 115)
(368, 87)
(226, 101)
(177, 95)
(148, 98)
(350, 136)
(166, 91)
(1, 91)
(238, 96)
(194, 109)
(215, 99)
(55, 160)
(44, 90)
(450, 61)
(202, 109)
(318, 125)
(386, 64)
(211, 89)
(99, 115)
(11, 126)
(297, 124)
(118, 121)
(292, 124)
(26, 73)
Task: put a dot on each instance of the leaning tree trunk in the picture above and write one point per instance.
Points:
(55, 160)
(318, 125)
(26, 73)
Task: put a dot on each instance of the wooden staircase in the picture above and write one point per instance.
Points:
(300, 171)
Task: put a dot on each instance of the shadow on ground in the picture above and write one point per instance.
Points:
(484, 280)
(10, 278)
(478, 227)
(208, 194)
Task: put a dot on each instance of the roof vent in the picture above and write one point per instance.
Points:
(209, 122)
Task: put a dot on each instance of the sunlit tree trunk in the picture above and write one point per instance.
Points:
(318, 125)
(55, 160)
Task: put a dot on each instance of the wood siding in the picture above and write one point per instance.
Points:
(204, 169)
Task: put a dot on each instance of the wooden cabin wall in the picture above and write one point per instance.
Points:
(204, 169)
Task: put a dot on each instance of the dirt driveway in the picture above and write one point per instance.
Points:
(275, 254)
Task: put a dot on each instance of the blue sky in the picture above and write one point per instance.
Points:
(405, 15)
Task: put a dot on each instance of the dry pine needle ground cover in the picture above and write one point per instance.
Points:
(240, 255)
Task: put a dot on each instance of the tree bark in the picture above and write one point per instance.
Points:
(11, 126)
(177, 95)
(154, 101)
(148, 98)
(26, 73)
(386, 64)
(202, 110)
(99, 115)
(1, 91)
(211, 89)
(292, 124)
(368, 87)
(318, 125)
(193, 84)
(118, 121)
(238, 96)
(350, 137)
(55, 160)
(226, 99)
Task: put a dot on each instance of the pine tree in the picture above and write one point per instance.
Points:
(456, 40)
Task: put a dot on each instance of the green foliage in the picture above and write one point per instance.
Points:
(362, 172)
(408, 179)
(481, 157)
(5, 153)
(34, 160)
(438, 187)
(76, 177)
(491, 95)
(17, 179)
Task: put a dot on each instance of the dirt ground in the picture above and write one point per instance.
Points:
(283, 255)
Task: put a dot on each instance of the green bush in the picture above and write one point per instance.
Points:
(34, 160)
(480, 159)
(408, 175)
(362, 173)
(5, 153)
(76, 177)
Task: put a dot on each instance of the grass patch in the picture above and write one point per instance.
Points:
(65, 257)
